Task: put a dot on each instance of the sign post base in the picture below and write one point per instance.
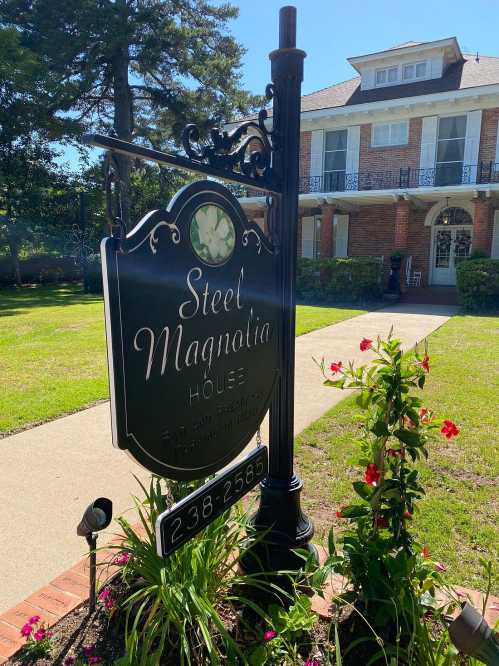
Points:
(287, 528)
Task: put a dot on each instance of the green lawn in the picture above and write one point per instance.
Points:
(459, 517)
(52, 351)
(310, 317)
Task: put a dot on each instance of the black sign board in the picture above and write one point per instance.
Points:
(192, 514)
(192, 311)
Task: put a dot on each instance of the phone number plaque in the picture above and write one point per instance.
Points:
(185, 519)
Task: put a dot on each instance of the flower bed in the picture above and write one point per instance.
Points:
(197, 607)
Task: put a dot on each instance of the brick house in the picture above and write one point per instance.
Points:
(405, 156)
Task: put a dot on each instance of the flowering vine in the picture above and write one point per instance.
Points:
(379, 555)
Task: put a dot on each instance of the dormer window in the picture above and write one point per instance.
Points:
(414, 71)
(387, 76)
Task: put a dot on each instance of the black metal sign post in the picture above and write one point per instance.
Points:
(200, 318)
(279, 511)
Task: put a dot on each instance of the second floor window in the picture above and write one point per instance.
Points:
(335, 159)
(390, 134)
(450, 150)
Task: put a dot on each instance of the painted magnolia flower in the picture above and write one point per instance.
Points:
(215, 232)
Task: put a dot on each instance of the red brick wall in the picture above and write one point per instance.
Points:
(482, 225)
(305, 143)
(390, 158)
(488, 136)
(371, 231)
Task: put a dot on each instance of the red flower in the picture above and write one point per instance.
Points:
(425, 363)
(425, 553)
(408, 515)
(425, 415)
(395, 453)
(372, 474)
(365, 344)
(449, 429)
(339, 513)
(336, 367)
(269, 635)
(381, 522)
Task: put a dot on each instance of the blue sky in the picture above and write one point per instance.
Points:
(330, 31)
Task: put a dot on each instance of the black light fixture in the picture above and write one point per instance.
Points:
(471, 634)
(97, 517)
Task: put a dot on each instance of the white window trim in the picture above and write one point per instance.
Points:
(387, 83)
(389, 144)
(415, 64)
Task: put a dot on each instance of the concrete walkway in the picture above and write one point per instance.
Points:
(50, 473)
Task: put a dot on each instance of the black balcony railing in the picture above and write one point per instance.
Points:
(404, 178)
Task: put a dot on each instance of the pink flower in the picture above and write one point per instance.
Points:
(449, 429)
(336, 367)
(105, 594)
(26, 630)
(94, 659)
(123, 558)
(365, 344)
(440, 567)
(372, 474)
(311, 662)
(34, 620)
(89, 650)
(69, 661)
(269, 635)
(40, 634)
(109, 604)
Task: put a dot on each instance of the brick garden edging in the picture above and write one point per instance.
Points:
(70, 589)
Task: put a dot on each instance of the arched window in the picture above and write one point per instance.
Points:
(454, 216)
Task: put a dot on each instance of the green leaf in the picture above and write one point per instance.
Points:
(410, 437)
(354, 511)
(363, 490)
(380, 429)
(331, 542)
(337, 383)
(259, 656)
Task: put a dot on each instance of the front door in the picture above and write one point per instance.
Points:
(450, 245)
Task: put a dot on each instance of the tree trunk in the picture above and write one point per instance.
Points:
(14, 255)
(123, 111)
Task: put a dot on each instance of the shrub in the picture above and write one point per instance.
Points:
(92, 281)
(308, 282)
(478, 283)
(40, 268)
(348, 280)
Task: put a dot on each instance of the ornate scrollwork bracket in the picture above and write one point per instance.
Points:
(246, 150)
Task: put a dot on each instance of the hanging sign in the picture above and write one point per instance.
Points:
(193, 513)
(192, 312)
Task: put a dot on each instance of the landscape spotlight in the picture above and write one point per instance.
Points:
(97, 517)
